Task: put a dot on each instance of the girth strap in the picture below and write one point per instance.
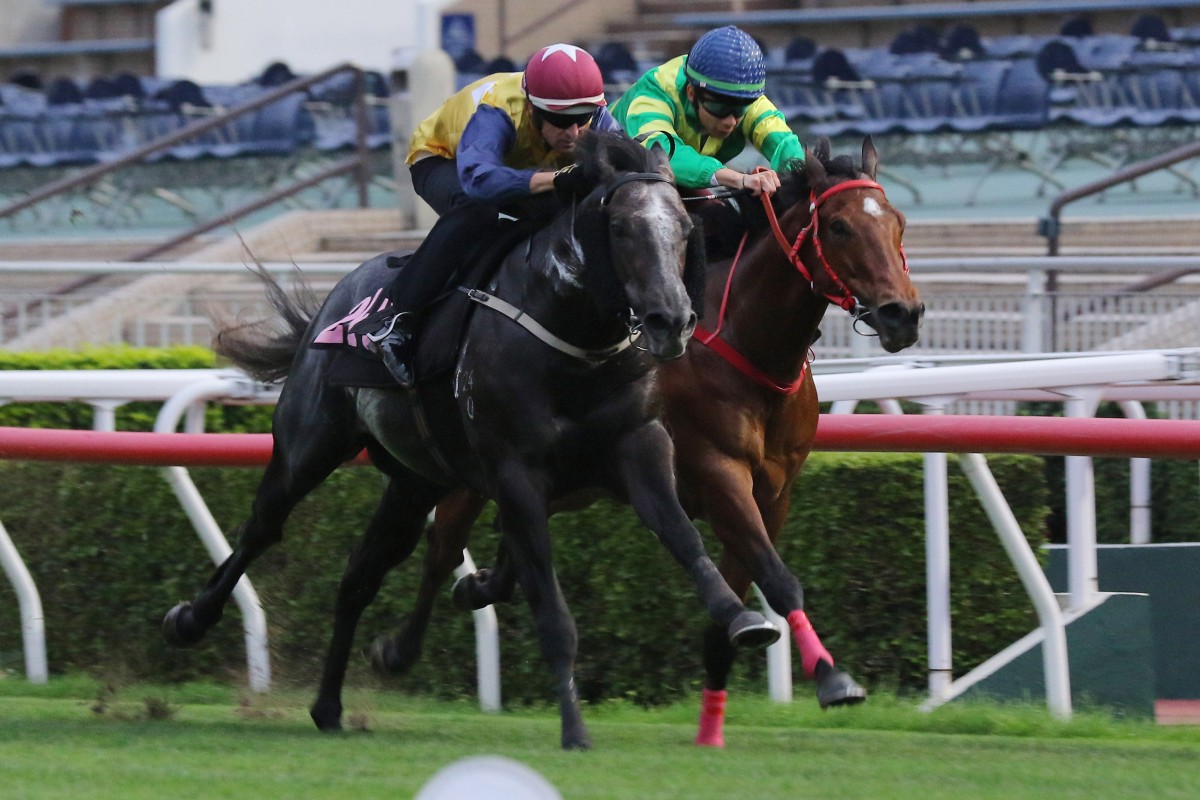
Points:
(533, 326)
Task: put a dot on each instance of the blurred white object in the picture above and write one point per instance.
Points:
(491, 777)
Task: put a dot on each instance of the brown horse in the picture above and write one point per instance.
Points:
(741, 405)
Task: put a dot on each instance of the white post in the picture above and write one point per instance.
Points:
(33, 622)
(1139, 485)
(254, 620)
(487, 646)
(1035, 327)
(423, 77)
(1082, 574)
(104, 414)
(1054, 642)
(937, 571)
(779, 655)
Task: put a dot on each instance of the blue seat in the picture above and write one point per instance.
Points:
(1077, 27)
(505, 64)
(799, 49)
(1022, 101)
(979, 96)
(1150, 27)
(962, 43)
(617, 64)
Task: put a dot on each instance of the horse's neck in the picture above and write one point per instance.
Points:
(543, 276)
(773, 314)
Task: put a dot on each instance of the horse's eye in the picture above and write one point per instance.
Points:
(619, 228)
(839, 228)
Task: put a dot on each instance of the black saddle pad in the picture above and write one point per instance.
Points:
(439, 327)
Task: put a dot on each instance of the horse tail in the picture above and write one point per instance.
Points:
(265, 349)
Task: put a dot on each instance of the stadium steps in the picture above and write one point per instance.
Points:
(349, 236)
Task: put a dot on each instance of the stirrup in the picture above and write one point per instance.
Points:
(390, 325)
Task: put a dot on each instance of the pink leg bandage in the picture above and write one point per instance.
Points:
(712, 719)
(808, 643)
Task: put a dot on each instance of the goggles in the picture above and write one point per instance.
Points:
(564, 121)
(724, 108)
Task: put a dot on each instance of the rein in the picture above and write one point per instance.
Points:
(845, 299)
(530, 324)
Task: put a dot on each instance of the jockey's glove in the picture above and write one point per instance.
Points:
(566, 180)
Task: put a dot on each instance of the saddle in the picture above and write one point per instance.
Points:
(439, 327)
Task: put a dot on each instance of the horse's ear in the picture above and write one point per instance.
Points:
(870, 158)
(695, 266)
(814, 163)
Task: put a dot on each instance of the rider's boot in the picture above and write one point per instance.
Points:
(395, 344)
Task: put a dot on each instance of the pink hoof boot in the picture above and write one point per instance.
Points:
(712, 719)
(808, 643)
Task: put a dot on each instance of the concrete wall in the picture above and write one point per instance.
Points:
(237, 40)
(535, 23)
(27, 21)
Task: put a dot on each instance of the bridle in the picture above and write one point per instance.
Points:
(842, 298)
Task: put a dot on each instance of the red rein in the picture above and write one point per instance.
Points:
(844, 298)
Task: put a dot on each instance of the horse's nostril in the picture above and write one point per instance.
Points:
(897, 314)
(662, 325)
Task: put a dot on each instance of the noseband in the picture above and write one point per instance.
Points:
(630, 178)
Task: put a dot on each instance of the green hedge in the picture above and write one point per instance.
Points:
(111, 551)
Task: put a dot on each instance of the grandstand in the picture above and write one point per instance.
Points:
(983, 113)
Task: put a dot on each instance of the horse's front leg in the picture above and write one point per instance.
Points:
(521, 497)
(728, 494)
(646, 463)
(391, 537)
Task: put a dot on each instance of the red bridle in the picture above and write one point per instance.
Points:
(844, 298)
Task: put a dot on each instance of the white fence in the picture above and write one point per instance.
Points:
(1079, 382)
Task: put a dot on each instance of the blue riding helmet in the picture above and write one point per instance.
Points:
(727, 61)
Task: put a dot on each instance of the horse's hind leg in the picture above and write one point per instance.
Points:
(304, 455)
(391, 537)
(448, 535)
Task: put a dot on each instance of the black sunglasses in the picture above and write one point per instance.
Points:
(721, 109)
(564, 121)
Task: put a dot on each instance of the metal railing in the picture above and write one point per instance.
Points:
(358, 163)
(1050, 226)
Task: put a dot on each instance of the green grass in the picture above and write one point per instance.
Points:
(74, 738)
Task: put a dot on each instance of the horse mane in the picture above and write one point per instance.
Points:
(601, 154)
(794, 186)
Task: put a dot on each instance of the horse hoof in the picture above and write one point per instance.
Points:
(465, 595)
(578, 742)
(836, 688)
(179, 628)
(387, 659)
(327, 716)
(752, 630)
